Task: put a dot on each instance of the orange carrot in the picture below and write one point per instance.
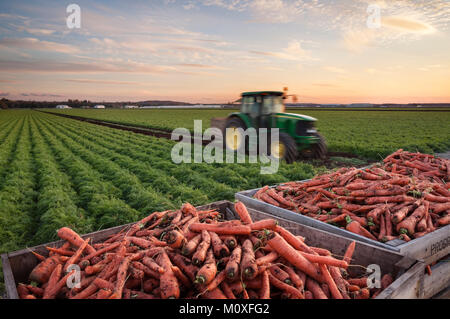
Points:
(328, 260)
(75, 239)
(52, 281)
(184, 264)
(60, 251)
(221, 228)
(74, 259)
(190, 246)
(340, 282)
(360, 282)
(265, 287)
(175, 239)
(102, 251)
(349, 252)
(232, 267)
(208, 271)
(249, 269)
(229, 240)
(356, 228)
(295, 278)
(242, 212)
(41, 273)
(181, 277)
(219, 248)
(294, 257)
(409, 224)
(121, 278)
(168, 281)
(443, 221)
(227, 290)
(294, 292)
(264, 224)
(315, 289)
(214, 294)
(38, 256)
(216, 281)
(270, 257)
(200, 254)
(334, 291)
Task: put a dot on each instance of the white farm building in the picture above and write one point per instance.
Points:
(131, 106)
(63, 107)
(99, 107)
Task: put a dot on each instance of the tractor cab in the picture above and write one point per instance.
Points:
(266, 109)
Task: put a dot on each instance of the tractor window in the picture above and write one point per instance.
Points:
(247, 103)
(273, 104)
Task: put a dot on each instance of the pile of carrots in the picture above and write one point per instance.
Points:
(195, 254)
(404, 198)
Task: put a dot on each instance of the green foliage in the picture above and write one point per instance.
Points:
(369, 134)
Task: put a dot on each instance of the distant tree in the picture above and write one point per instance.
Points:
(3, 104)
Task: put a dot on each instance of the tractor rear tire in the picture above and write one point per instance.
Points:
(237, 123)
(290, 152)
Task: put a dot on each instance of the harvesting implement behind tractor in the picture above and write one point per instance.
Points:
(298, 136)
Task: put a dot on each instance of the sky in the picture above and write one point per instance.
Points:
(209, 51)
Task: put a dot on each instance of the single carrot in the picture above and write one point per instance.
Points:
(349, 252)
(443, 221)
(74, 259)
(334, 291)
(270, 257)
(181, 277)
(150, 263)
(280, 274)
(61, 283)
(227, 290)
(208, 271)
(409, 224)
(309, 295)
(242, 211)
(265, 286)
(219, 248)
(356, 228)
(315, 289)
(388, 221)
(190, 246)
(232, 267)
(175, 239)
(400, 215)
(360, 282)
(60, 251)
(266, 198)
(168, 281)
(295, 278)
(327, 260)
(52, 281)
(104, 294)
(38, 292)
(38, 256)
(75, 239)
(249, 269)
(184, 264)
(340, 282)
(216, 281)
(41, 273)
(221, 228)
(294, 257)
(362, 294)
(102, 251)
(200, 254)
(229, 240)
(386, 280)
(121, 278)
(294, 292)
(382, 232)
(264, 224)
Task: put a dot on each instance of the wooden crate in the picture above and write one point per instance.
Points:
(429, 248)
(409, 273)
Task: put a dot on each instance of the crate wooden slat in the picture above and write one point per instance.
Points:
(408, 271)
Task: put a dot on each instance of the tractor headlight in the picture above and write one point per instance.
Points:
(305, 128)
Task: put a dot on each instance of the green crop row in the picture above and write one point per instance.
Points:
(369, 134)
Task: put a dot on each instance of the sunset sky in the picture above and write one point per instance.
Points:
(209, 51)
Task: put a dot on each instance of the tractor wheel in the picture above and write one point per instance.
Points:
(316, 151)
(234, 140)
(285, 149)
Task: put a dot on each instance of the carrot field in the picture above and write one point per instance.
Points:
(368, 134)
(57, 172)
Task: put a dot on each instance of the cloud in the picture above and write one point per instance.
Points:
(38, 45)
(293, 52)
(4, 93)
(105, 66)
(106, 82)
(40, 95)
(39, 31)
(407, 25)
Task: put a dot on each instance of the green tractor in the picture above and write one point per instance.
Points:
(265, 109)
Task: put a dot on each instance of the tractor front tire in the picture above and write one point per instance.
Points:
(320, 149)
(286, 150)
(233, 141)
